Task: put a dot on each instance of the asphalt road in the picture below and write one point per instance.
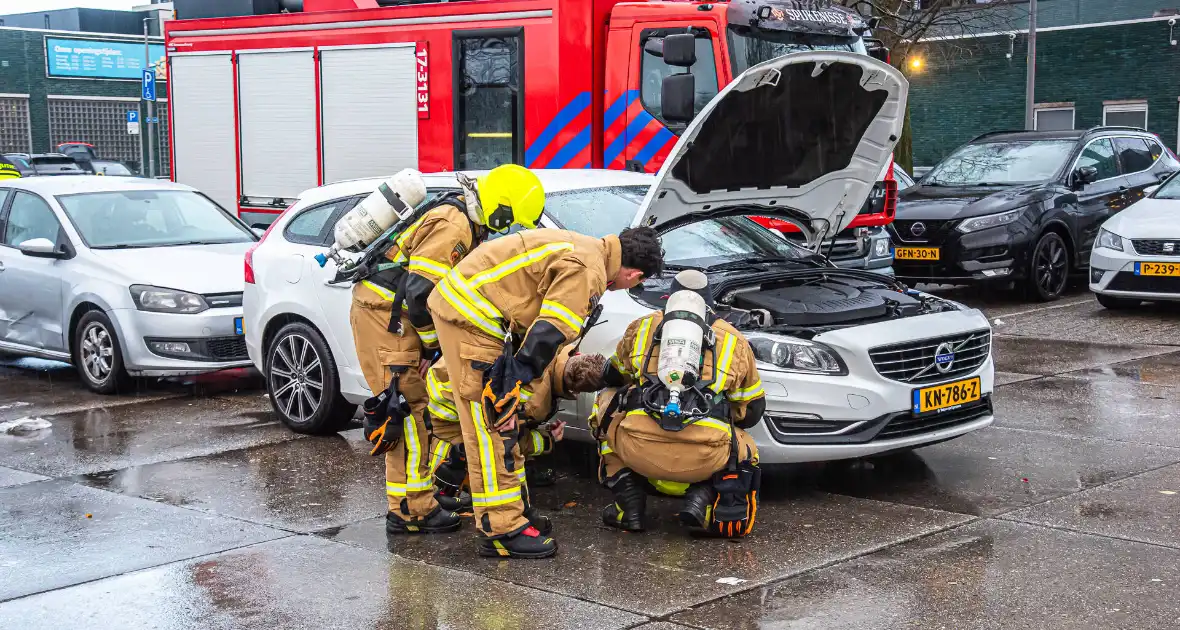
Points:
(187, 506)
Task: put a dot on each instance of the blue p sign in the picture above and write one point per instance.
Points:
(132, 116)
(149, 85)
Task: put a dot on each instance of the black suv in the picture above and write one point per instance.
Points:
(1022, 206)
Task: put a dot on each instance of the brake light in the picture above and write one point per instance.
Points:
(250, 252)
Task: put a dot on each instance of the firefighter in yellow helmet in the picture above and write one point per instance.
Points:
(8, 170)
(395, 336)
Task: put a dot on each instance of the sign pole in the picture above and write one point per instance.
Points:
(1030, 79)
(147, 60)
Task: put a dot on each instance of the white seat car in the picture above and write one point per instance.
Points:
(853, 363)
(120, 276)
(1136, 257)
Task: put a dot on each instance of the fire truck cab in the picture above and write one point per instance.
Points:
(263, 107)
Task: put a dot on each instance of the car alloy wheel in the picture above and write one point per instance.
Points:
(1050, 270)
(296, 378)
(97, 352)
(97, 355)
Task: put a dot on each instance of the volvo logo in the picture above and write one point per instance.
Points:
(944, 358)
(918, 228)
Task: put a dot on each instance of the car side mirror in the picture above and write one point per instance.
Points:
(1150, 189)
(676, 97)
(41, 248)
(1084, 175)
(680, 50)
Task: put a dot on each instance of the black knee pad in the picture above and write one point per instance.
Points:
(453, 470)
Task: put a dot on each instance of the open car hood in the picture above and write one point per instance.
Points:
(802, 138)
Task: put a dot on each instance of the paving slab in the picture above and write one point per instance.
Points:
(1163, 369)
(105, 438)
(10, 477)
(1007, 378)
(1115, 410)
(1047, 356)
(662, 625)
(1087, 321)
(991, 471)
(988, 575)
(1144, 508)
(305, 583)
(300, 485)
(58, 533)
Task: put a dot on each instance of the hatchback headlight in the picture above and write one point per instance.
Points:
(798, 355)
(1110, 240)
(989, 221)
(159, 300)
(881, 248)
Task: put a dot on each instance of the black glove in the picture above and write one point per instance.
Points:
(385, 416)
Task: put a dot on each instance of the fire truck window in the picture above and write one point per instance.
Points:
(653, 70)
(488, 102)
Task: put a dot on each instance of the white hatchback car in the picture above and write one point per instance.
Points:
(1136, 257)
(853, 363)
(120, 276)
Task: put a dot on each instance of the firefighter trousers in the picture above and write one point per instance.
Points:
(635, 441)
(409, 486)
(495, 465)
(446, 435)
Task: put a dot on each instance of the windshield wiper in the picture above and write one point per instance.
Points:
(760, 262)
(124, 246)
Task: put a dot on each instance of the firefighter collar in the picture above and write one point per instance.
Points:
(801, 138)
(612, 253)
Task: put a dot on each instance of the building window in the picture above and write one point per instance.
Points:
(102, 123)
(489, 91)
(14, 125)
(1054, 118)
(1125, 114)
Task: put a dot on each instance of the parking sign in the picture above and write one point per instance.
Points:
(149, 85)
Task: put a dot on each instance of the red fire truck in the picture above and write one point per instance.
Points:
(262, 107)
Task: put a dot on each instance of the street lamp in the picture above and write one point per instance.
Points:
(916, 63)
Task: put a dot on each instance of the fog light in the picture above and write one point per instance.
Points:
(995, 273)
(1096, 275)
(881, 248)
(170, 347)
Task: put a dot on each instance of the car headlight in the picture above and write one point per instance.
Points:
(159, 300)
(798, 355)
(989, 221)
(1110, 240)
(881, 248)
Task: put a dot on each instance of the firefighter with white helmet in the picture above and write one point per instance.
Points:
(393, 330)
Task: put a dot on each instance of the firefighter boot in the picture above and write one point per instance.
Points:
(529, 543)
(697, 511)
(539, 521)
(454, 500)
(626, 513)
(540, 475)
(437, 522)
(450, 477)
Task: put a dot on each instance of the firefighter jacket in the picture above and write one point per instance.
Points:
(540, 283)
(426, 251)
(736, 376)
(8, 170)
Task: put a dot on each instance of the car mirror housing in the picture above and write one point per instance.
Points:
(41, 248)
(1084, 175)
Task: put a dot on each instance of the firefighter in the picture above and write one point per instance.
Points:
(395, 337)
(567, 376)
(8, 170)
(706, 448)
(502, 315)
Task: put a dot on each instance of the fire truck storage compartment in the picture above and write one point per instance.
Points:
(369, 110)
(276, 107)
(202, 124)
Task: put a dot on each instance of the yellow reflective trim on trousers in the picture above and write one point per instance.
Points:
(428, 337)
(538, 443)
(435, 387)
(712, 423)
(604, 448)
(385, 294)
(395, 489)
(525, 395)
(521, 474)
(749, 393)
(414, 483)
(435, 268)
(440, 411)
(553, 309)
(441, 451)
(722, 362)
(487, 454)
(491, 499)
(469, 312)
(518, 262)
(637, 351)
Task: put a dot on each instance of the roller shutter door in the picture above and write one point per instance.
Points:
(276, 90)
(203, 125)
(370, 115)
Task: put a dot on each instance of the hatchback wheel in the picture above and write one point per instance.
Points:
(1048, 272)
(98, 355)
(303, 382)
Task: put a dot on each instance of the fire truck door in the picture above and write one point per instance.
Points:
(489, 99)
(649, 138)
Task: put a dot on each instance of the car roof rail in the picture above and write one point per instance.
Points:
(1098, 128)
(996, 133)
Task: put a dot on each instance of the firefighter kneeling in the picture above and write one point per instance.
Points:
(687, 387)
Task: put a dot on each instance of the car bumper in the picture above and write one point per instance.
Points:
(989, 255)
(210, 336)
(1113, 273)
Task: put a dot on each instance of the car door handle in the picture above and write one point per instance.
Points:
(337, 285)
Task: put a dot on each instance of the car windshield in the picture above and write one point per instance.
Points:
(1001, 163)
(598, 212)
(748, 48)
(1169, 189)
(150, 218)
(113, 168)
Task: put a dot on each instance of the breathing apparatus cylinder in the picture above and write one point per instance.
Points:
(680, 346)
(394, 200)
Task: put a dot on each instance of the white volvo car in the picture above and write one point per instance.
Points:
(853, 363)
(1137, 255)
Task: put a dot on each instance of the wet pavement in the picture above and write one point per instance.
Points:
(184, 505)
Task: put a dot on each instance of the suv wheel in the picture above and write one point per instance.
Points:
(303, 383)
(98, 355)
(1116, 303)
(1048, 272)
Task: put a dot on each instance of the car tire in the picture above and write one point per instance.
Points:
(1048, 268)
(303, 383)
(98, 355)
(1116, 303)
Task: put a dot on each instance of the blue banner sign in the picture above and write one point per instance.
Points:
(83, 58)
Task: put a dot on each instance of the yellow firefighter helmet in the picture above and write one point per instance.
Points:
(509, 194)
